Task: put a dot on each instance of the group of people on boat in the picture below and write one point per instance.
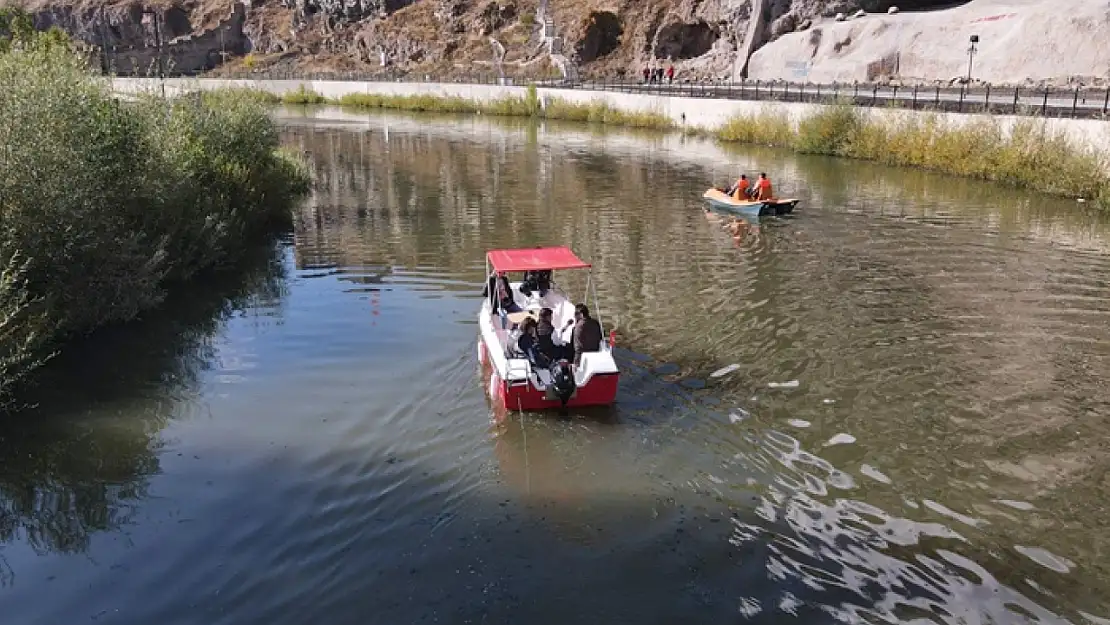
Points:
(538, 339)
(743, 189)
(544, 344)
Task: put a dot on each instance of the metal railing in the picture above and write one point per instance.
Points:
(1077, 102)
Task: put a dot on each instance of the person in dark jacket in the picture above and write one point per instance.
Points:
(545, 338)
(587, 333)
(539, 280)
(500, 296)
(528, 343)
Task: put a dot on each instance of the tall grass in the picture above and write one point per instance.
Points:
(528, 105)
(105, 205)
(1027, 155)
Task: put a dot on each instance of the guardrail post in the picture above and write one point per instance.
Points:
(874, 94)
(987, 100)
(913, 105)
(1075, 102)
(818, 98)
(961, 105)
(743, 81)
(894, 96)
(855, 93)
(1016, 91)
(1044, 104)
(936, 102)
(1106, 101)
(757, 90)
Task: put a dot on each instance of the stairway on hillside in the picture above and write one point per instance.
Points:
(554, 45)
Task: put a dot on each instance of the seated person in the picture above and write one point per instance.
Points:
(539, 280)
(587, 333)
(550, 341)
(528, 343)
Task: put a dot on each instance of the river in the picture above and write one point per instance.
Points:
(888, 407)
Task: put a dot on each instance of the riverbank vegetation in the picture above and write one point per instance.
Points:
(106, 205)
(1028, 155)
(528, 105)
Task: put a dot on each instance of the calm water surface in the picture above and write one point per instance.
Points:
(913, 427)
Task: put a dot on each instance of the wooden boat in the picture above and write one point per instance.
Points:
(750, 208)
(515, 382)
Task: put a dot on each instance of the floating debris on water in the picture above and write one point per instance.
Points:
(1046, 558)
(790, 384)
(799, 423)
(724, 371)
(841, 439)
(828, 401)
(874, 474)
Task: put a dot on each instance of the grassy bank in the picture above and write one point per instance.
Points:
(525, 106)
(1027, 156)
(105, 206)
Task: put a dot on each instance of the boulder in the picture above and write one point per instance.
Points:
(840, 17)
(783, 25)
(892, 11)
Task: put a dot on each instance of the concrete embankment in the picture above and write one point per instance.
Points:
(685, 112)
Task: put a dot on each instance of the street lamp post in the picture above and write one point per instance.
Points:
(971, 56)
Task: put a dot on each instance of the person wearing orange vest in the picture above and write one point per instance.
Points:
(763, 190)
(741, 188)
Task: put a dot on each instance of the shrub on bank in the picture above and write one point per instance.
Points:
(104, 204)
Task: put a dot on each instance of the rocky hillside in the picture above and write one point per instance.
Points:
(704, 39)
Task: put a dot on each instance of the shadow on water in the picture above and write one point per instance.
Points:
(70, 464)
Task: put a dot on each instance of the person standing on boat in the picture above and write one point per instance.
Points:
(587, 333)
(500, 296)
(763, 189)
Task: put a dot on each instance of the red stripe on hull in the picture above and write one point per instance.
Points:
(601, 390)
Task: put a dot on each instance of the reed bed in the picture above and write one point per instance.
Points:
(1027, 155)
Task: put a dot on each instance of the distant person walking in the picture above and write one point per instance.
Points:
(670, 73)
(647, 74)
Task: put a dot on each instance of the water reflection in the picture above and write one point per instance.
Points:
(77, 461)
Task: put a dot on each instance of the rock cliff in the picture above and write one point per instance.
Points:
(704, 39)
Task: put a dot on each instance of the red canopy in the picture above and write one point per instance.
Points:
(534, 258)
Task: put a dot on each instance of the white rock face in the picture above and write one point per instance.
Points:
(1018, 42)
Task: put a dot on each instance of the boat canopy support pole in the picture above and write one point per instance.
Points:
(591, 293)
